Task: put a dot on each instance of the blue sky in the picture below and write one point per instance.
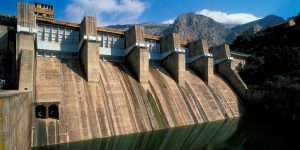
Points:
(136, 11)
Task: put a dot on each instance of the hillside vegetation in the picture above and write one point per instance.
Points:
(276, 61)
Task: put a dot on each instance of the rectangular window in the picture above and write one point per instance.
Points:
(104, 40)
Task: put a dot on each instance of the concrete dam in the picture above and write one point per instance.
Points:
(82, 82)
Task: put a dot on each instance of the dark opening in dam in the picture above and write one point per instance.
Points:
(40, 111)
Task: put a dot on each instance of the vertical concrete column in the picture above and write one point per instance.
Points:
(26, 24)
(226, 69)
(203, 64)
(138, 57)
(175, 62)
(220, 52)
(89, 53)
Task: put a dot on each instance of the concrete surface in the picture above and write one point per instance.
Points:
(204, 66)
(15, 120)
(174, 63)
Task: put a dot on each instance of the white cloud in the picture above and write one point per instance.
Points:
(222, 17)
(107, 11)
(170, 21)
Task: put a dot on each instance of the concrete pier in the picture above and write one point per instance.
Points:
(89, 50)
(226, 68)
(175, 61)
(138, 55)
(201, 60)
(25, 48)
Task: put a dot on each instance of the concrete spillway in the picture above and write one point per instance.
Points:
(118, 104)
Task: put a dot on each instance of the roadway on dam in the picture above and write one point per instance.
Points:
(119, 105)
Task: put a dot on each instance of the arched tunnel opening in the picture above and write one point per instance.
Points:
(53, 111)
(40, 111)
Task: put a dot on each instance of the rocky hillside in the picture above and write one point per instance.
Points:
(156, 29)
(267, 21)
(276, 64)
(191, 26)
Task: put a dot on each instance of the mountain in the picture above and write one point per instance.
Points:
(156, 29)
(267, 21)
(192, 26)
(276, 64)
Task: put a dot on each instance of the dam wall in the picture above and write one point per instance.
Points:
(146, 83)
(15, 120)
(118, 102)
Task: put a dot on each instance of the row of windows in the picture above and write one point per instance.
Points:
(57, 34)
(55, 54)
(111, 41)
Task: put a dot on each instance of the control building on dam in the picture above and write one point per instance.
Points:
(79, 81)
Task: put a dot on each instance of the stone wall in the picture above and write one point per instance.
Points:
(15, 121)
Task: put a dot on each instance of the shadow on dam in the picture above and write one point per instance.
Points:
(120, 105)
